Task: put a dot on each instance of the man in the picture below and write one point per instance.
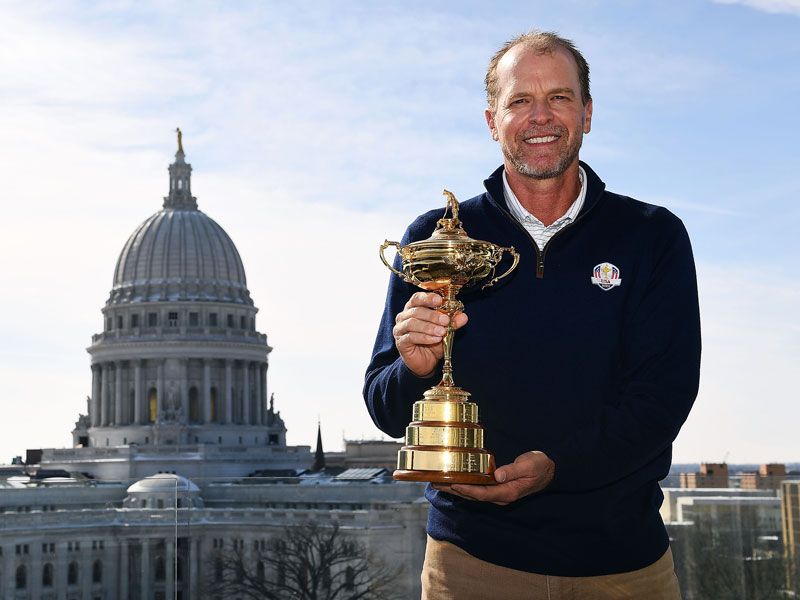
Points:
(584, 363)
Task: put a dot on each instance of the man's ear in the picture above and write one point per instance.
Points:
(587, 119)
(490, 122)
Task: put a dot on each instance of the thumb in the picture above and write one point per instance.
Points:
(521, 467)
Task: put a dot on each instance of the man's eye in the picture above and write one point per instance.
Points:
(560, 98)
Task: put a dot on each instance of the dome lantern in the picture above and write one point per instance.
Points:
(180, 181)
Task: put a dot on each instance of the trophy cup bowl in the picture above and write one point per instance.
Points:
(444, 441)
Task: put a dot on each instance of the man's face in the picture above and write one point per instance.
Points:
(539, 117)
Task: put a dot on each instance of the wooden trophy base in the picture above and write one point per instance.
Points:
(446, 478)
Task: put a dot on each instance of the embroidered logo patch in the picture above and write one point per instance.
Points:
(606, 276)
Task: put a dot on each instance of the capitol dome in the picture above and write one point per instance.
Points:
(179, 253)
(167, 483)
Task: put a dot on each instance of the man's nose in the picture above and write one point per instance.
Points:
(540, 113)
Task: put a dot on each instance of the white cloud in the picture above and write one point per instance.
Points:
(791, 7)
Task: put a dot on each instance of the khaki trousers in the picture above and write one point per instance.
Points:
(449, 573)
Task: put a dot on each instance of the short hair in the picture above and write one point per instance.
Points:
(541, 42)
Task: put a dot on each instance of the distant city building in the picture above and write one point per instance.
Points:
(725, 539)
(768, 477)
(181, 454)
(790, 526)
(365, 453)
(711, 475)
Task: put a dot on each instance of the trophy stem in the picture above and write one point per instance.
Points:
(450, 307)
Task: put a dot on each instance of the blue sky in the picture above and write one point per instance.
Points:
(329, 127)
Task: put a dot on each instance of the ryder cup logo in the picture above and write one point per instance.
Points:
(606, 276)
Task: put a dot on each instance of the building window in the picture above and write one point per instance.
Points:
(119, 322)
(108, 324)
(349, 579)
(242, 322)
(21, 577)
(97, 572)
(134, 320)
(212, 319)
(152, 319)
(215, 412)
(47, 575)
(194, 319)
(72, 574)
(172, 319)
(230, 321)
(252, 324)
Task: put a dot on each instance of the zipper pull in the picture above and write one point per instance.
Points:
(539, 265)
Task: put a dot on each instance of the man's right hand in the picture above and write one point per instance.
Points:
(419, 330)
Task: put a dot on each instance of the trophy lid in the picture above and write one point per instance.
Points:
(450, 229)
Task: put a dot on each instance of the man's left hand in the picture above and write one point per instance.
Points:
(530, 473)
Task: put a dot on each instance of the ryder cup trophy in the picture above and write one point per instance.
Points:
(444, 442)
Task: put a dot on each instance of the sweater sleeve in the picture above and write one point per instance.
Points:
(660, 371)
(390, 388)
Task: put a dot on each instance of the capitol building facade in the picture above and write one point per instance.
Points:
(181, 455)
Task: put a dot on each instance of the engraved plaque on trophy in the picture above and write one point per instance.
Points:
(444, 441)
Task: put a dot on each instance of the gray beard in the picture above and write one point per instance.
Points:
(565, 160)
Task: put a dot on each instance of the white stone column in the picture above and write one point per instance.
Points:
(85, 575)
(265, 399)
(119, 414)
(228, 392)
(206, 391)
(35, 566)
(95, 395)
(246, 392)
(60, 571)
(184, 388)
(169, 569)
(194, 558)
(7, 582)
(124, 569)
(145, 587)
(160, 389)
(259, 414)
(139, 412)
(104, 383)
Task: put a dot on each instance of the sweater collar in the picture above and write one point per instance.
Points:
(594, 188)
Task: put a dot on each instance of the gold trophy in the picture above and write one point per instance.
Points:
(444, 442)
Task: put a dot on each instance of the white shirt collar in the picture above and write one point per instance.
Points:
(523, 216)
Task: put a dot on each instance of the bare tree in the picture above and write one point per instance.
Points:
(307, 562)
(720, 564)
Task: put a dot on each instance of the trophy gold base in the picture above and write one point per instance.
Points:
(444, 442)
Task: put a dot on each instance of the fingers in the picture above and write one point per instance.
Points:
(528, 474)
(418, 325)
(419, 330)
(498, 494)
(534, 465)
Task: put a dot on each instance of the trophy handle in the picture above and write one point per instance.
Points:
(384, 246)
(513, 266)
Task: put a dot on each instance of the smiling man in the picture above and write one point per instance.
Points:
(585, 362)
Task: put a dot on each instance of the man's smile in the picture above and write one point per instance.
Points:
(541, 140)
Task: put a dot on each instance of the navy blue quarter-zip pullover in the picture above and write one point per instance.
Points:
(600, 378)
